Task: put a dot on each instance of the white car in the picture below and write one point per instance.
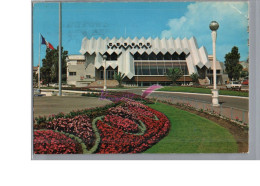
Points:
(234, 85)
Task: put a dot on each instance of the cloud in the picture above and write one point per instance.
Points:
(231, 16)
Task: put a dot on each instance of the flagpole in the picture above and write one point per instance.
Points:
(60, 93)
(39, 71)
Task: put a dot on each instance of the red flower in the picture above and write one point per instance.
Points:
(50, 142)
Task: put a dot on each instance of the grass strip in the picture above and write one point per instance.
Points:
(190, 133)
(203, 91)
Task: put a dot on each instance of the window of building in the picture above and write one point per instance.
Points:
(101, 74)
(159, 56)
(182, 56)
(138, 68)
(112, 57)
(158, 68)
(72, 73)
(218, 71)
(87, 76)
(109, 74)
(146, 68)
(167, 56)
(153, 69)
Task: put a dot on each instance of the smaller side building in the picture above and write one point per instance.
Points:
(77, 73)
(222, 77)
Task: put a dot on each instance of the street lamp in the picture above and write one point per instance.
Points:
(105, 77)
(214, 27)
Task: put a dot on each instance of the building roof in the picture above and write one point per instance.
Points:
(35, 68)
(195, 56)
(76, 57)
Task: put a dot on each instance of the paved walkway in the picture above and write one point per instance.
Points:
(47, 105)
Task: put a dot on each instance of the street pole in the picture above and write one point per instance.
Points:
(105, 77)
(214, 27)
(39, 66)
(60, 31)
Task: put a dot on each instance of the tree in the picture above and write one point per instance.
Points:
(119, 77)
(244, 73)
(233, 68)
(174, 74)
(50, 65)
(195, 78)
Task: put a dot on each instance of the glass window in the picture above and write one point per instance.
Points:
(175, 56)
(153, 68)
(146, 68)
(182, 56)
(101, 74)
(161, 68)
(112, 57)
(138, 68)
(72, 73)
(159, 56)
(145, 56)
(167, 56)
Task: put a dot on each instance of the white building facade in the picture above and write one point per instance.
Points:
(143, 61)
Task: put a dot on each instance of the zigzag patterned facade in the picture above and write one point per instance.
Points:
(126, 49)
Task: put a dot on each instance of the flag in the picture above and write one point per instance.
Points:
(44, 42)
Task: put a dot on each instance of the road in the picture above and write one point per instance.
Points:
(235, 102)
(47, 105)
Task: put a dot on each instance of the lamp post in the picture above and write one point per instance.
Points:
(105, 77)
(214, 27)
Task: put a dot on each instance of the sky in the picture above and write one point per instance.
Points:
(142, 19)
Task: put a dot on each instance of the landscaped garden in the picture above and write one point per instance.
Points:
(131, 124)
(192, 134)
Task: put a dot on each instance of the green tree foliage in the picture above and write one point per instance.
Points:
(174, 74)
(119, 77)
(244, 73)
(50, 66)
(233, 68)
(195, 78)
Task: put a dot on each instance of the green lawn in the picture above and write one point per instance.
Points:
(203, 90)
(190, 133)
(122, 87)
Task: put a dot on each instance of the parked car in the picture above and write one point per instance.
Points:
(245, 82)
(234, 85)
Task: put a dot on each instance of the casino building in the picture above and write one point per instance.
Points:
(143, 61)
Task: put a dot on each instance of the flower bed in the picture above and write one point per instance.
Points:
(115, 140)
(78, 125)
(51, 142)
(117, 96)
(126, 127)
(125, 124)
